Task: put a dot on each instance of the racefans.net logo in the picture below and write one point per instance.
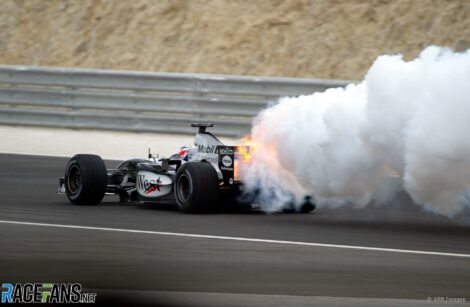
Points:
(45, 293)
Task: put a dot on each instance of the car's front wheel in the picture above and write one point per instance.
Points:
(85, 179)
(196, 187)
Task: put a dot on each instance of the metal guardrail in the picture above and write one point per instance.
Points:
(140, 101)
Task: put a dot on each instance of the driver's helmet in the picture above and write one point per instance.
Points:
(183, 154)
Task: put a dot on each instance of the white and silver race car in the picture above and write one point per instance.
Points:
(199, 178)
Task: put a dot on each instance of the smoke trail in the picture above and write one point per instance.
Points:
(411, 119)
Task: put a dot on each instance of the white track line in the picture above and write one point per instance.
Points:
(176, 234)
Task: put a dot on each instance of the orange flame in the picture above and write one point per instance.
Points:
(243, 151)
(247, 148)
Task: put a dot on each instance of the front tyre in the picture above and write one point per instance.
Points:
(85, 179)
(196, 187)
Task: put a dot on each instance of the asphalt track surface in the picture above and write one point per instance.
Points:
(155, 268)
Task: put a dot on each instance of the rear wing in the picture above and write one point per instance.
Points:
(230, 158)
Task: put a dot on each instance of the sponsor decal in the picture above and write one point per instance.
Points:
(206, 149)
(149, 186)
(210, 159)
(152, 186)
(227, 161)
(45, 293)
(226, 151)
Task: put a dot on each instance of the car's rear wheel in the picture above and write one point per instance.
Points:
(196, 187)
(85, 179)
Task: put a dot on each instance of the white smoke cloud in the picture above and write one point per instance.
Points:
(411, 119)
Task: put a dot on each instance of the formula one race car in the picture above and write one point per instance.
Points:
(197, 179)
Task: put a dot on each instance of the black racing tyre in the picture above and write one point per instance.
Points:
(85, 179)
(196, 187)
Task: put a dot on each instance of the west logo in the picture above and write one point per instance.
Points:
(149, 186)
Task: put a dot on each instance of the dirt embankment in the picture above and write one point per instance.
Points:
(332, 39)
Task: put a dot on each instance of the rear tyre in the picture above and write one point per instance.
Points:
(196, 187)
(85, 179)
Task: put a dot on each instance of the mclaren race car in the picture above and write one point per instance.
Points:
(199, 178)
